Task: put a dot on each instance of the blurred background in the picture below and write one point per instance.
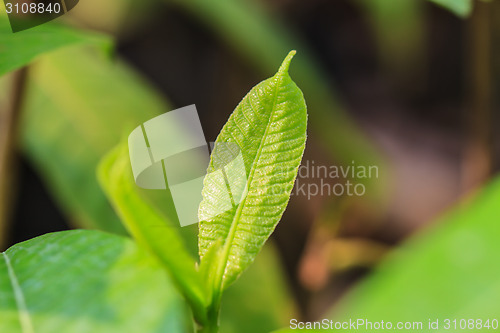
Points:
(408, 86)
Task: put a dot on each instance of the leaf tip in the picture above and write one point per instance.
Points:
(286, 63)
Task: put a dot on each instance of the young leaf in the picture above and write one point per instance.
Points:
(19, 49)
(151, 229)
(86, 281)
(269, 128)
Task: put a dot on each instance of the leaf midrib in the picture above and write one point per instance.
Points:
(236, 218)
(24, 317)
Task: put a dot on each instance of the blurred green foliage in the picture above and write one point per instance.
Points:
(263, 40)
(80, 104)
(86, 281)
(19, 49)
(450, 271)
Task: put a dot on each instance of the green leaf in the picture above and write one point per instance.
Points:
(151, 229)
(86, 281)
(461, 8)
(21, 48)
(269, 127)
(449, 272)
(79, 106)
(261, 39)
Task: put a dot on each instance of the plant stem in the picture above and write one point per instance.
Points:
(9, 125)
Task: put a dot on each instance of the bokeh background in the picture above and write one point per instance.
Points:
(408, 86)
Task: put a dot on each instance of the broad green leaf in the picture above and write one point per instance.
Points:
(248, 307)
(269, 127)
(86, 281)
(461, 8)
(21, 48)
(79, 106)
(448, 272)
(150, 228)
(261, 39)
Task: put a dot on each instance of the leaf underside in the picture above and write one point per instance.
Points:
(269, 127)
